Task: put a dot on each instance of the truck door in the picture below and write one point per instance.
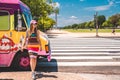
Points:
(6, 42)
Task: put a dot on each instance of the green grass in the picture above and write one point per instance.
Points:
(91, 31)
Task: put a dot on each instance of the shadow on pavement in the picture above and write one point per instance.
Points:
(114, 51)
(50, 67)
(110, 37)
(5, 70)
(46, 68)
(39, 68)
(40, 75)
(52, 35)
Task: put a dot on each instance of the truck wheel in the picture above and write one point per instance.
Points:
(22, 61)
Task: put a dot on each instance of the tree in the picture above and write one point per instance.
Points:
(107, 24)
(83, 25)
(39, 7)
(114, 20)
(40, 10)
(101, 19)
(91, 25)
(74, 26)
(87, 24)
(118, 22)
(48, 23)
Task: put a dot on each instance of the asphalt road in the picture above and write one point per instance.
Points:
(73, 53)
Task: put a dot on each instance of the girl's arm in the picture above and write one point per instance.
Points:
(24, 41)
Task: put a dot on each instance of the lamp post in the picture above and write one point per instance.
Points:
(96, 23)
(56, 18)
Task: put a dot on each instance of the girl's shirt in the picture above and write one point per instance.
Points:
(32, 42)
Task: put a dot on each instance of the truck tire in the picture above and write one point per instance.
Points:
(21, 61)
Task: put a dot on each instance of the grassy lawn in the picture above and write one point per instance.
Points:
(91, 31)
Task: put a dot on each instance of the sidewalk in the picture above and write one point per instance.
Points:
(57, 31)
(107, 35)
(26, 75)
(40, 76)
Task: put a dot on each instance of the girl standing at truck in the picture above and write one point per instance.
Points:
(32, 43)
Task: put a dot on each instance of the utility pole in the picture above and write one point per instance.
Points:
(56, 19)
(96, 23)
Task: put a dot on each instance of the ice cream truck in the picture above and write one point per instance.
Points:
(15, 19)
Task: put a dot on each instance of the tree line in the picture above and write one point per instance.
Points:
(40, 10)
(112, 22)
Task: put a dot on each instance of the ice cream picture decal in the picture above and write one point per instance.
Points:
(7, 45)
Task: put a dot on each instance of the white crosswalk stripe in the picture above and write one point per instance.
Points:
(75, 53)
(73, 50)
(80, 64)
(82, 57)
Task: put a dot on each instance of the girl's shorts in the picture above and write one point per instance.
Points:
(33, 50)
(32, 55)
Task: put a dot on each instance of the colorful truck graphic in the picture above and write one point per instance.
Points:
(15, 19)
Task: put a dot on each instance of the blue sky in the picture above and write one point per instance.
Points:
(78, 11)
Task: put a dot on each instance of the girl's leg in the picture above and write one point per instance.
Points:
(33, 63)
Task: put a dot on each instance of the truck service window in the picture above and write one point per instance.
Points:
(4, 20)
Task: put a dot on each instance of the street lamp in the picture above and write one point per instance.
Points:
(96, 23)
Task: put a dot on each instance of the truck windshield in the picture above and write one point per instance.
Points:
(4, 20)
(28, 18)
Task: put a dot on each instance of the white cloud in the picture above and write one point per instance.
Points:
(101, 8)
(53, 15)
(73, 17)
(55, 5)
